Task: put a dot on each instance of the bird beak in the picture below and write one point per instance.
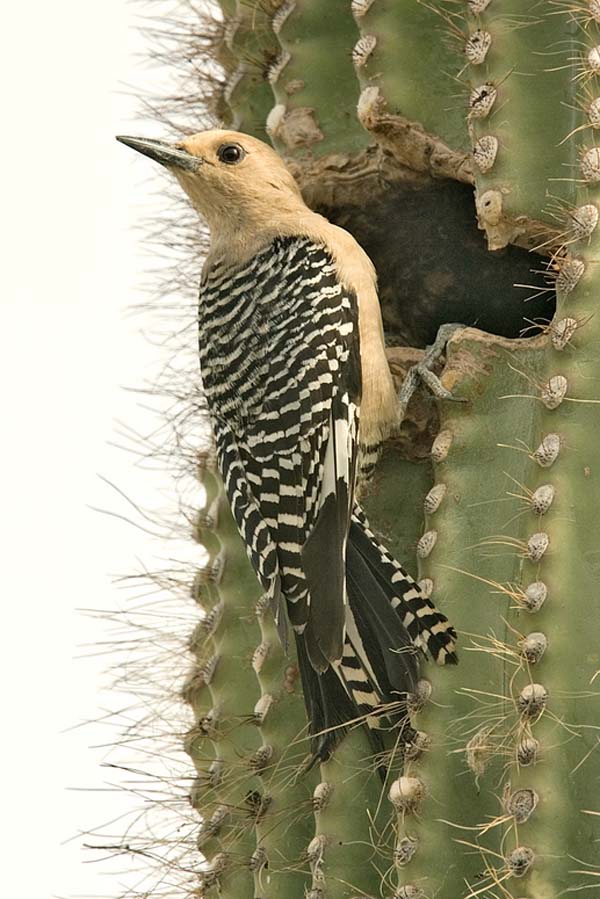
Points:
(167, 154)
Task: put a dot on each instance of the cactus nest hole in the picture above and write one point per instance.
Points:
(433, 264)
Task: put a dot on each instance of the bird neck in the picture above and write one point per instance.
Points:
(236, 239)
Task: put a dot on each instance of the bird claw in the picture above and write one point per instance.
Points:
(421, 372)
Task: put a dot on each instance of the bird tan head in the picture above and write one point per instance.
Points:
(233, 180)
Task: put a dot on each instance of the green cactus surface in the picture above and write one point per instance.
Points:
(315, 90)
(223, 692)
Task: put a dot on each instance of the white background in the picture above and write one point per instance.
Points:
(73, 264)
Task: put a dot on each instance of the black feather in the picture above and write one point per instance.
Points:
(387, 644)
(403, 594)
(328, 706)
(323, 564)
(381, 645)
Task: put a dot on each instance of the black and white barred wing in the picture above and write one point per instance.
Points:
(281, 373)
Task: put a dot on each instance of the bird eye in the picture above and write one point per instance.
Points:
(230, 154)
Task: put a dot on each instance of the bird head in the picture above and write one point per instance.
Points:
(229, 177)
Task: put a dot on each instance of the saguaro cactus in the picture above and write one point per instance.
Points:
(457, 115)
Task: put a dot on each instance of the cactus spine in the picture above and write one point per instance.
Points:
(224, 743)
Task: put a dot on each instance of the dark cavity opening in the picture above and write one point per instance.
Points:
(434, 267)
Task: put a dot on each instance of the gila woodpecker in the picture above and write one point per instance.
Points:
(300, 397)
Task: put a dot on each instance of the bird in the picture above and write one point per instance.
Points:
(300, 398)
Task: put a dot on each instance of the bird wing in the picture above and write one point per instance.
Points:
(281, 372)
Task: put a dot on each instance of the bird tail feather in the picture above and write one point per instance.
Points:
(389, 623)
(428, 628)
(368, 685)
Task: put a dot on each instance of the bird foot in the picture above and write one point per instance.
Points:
(421, 372)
